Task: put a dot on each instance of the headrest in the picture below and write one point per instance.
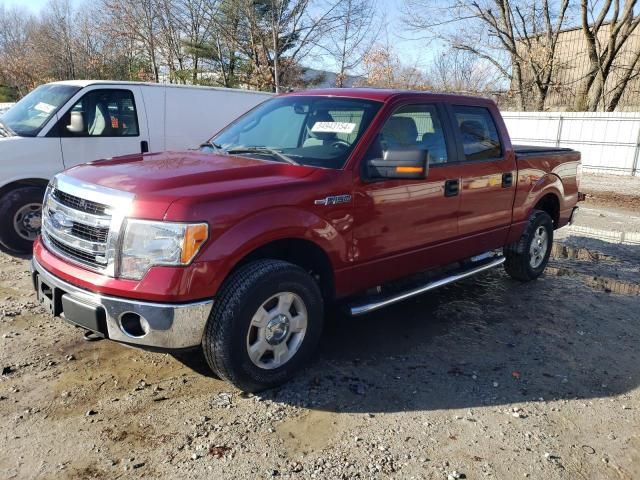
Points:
(473, 128)
(400, 130)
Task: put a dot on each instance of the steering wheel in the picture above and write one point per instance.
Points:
(341, 144)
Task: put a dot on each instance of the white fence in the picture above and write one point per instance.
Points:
(609, 142)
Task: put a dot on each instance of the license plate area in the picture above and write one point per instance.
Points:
(75, 311)
(49, 296)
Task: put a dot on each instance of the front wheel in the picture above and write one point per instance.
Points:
(265, 325)
(528, 257)
(20, 218)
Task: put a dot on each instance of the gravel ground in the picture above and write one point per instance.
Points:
(616, 191)
(486, 378)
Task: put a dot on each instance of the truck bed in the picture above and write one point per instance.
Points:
(526, 150)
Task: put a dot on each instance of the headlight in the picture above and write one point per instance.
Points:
(147, 243)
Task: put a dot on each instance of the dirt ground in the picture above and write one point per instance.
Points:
(488, 378)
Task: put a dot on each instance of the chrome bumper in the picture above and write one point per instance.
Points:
(165, 326)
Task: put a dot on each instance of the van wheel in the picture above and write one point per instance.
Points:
(20, 218)
(265, 325)
(528, 257)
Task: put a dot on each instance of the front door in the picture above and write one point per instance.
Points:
(405, 226)
(105, 122)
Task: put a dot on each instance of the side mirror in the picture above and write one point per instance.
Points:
(77, 123)
(401, 164)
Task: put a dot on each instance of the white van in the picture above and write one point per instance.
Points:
(63, 124)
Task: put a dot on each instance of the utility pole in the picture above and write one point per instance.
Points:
(274, 21)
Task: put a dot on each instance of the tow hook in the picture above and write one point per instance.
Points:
(90, 336)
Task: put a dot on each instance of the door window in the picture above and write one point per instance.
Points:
(413, 126)
(478, 132)
(102, 113)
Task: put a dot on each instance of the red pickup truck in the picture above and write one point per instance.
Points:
(359, 196)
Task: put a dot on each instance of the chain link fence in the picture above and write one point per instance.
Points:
(609, 142)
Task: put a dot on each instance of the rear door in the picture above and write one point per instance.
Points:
(488, 174)
(106, 121)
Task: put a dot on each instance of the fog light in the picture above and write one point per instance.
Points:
(134, 325)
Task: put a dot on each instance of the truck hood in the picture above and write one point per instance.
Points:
(166, 172)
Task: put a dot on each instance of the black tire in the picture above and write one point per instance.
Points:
(225, 342)
(10, 204)
(518, 256)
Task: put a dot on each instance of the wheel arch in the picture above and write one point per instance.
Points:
(550, 203)
(547, 195)
(299, 251)
(27, 182)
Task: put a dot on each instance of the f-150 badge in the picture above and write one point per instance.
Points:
(334, 200)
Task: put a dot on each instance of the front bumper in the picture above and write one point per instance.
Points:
(169, 326)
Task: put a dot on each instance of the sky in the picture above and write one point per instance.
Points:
(33, 5)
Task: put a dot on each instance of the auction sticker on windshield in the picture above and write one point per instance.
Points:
(333, 127)
(44, 107)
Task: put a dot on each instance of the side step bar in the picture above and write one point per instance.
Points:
(356, 310)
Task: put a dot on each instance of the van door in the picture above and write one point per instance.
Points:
(106, 121)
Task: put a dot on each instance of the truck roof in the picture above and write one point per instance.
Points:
(386, 94)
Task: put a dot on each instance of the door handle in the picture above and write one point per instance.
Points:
(451, 188)
(144, 146)
(507, 179)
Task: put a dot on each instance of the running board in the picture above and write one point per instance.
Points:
(356, 310)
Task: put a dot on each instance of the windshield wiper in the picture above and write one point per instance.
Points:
(6, 131)
(210, 144)
(266, 151)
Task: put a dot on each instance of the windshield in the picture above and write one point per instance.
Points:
(29, 115)
(315, 131)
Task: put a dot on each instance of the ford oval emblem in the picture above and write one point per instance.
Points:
(60, 220)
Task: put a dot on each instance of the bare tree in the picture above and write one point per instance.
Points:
(462, 72)
(383, 68)
(136, 20)
(55, 37)
(352, 36)
(518, 37)
(18, 67)
(607, 29)
(286, 32)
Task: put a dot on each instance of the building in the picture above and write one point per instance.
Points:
(572, 65)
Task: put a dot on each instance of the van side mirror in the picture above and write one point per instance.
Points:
(400, 164)
(76, 124)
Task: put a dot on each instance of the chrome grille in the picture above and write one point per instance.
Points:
(75, 253)
(82, 222)
(77, 203)
(87, 232)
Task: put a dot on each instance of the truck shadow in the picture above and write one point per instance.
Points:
(484, 341)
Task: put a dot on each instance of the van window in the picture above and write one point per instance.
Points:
(478, 132)
(102, 113)
(33, 112)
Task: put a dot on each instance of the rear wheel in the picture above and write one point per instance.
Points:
(21, 218)
(528, 257)
(265, 325)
